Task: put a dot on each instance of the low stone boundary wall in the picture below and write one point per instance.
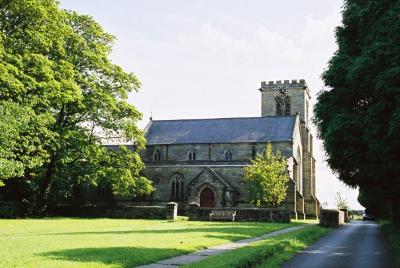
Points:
(346, 215)
(242, 214)
(126, 212)
(331, 218)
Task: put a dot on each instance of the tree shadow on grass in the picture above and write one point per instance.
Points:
(238, 230)
(122, 256)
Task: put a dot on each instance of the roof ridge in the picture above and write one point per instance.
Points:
(221, 130)
(222, 118)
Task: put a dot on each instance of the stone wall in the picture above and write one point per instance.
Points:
(168, 211)
(331, 218)
(290, 200)
(197, 174)
(345, 215)
(310, 202)
(300, 206)
(243, 214)
(241, 152)
(311, 207)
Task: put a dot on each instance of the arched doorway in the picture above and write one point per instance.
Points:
(207, 197)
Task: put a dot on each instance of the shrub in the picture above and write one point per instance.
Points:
(8, 209)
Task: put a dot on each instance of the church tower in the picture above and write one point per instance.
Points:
(287, 99)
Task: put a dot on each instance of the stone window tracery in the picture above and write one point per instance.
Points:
(227, 155)
(157, 155)
(283, 102)
(283, 105)
(192, 155)
(279, 105)
(177, 187)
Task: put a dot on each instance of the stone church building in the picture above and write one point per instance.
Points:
(202, 160)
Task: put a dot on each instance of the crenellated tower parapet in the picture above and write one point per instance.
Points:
(285, 98)
(294, 83)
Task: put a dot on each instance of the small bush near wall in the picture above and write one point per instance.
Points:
(8, 210)
(331, 218)
(243, 214)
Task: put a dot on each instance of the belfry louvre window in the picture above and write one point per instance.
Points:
(228, 155)
(157, 155)
(283, 105)
(287, 105)
(279, 105)
(177, 187)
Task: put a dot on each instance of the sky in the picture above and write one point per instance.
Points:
(206, 58)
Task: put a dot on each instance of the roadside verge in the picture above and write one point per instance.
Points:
(271, 252)
(392, 234)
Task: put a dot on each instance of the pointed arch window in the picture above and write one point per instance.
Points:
(279, 105)
(177, 187)
(192, 155)
(157, 155)
(283, 104)
(228, 155)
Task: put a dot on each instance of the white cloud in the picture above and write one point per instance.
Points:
(321, 29)
(275, 42)
(250, 43)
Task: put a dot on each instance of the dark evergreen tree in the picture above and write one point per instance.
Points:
(358, 114)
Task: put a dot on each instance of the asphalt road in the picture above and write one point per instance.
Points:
(357, 244)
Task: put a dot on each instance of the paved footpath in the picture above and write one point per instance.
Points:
(357, 244)
(202, 254)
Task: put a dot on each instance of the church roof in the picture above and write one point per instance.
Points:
(115, 147)
(221, 130)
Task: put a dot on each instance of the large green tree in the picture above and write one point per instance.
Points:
(18, 150)
(266, 179)
(358, 114)
(55, 64)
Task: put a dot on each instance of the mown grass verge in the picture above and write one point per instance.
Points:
(271, 252)
(392, 233)
(113, 243)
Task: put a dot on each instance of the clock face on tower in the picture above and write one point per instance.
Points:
(282, 90)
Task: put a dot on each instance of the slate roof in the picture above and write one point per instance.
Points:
(221, 130)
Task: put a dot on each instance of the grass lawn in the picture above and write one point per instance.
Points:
(270, 253)
(75, 242)
(392, 233)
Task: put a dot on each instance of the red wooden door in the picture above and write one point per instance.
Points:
(207, 198)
